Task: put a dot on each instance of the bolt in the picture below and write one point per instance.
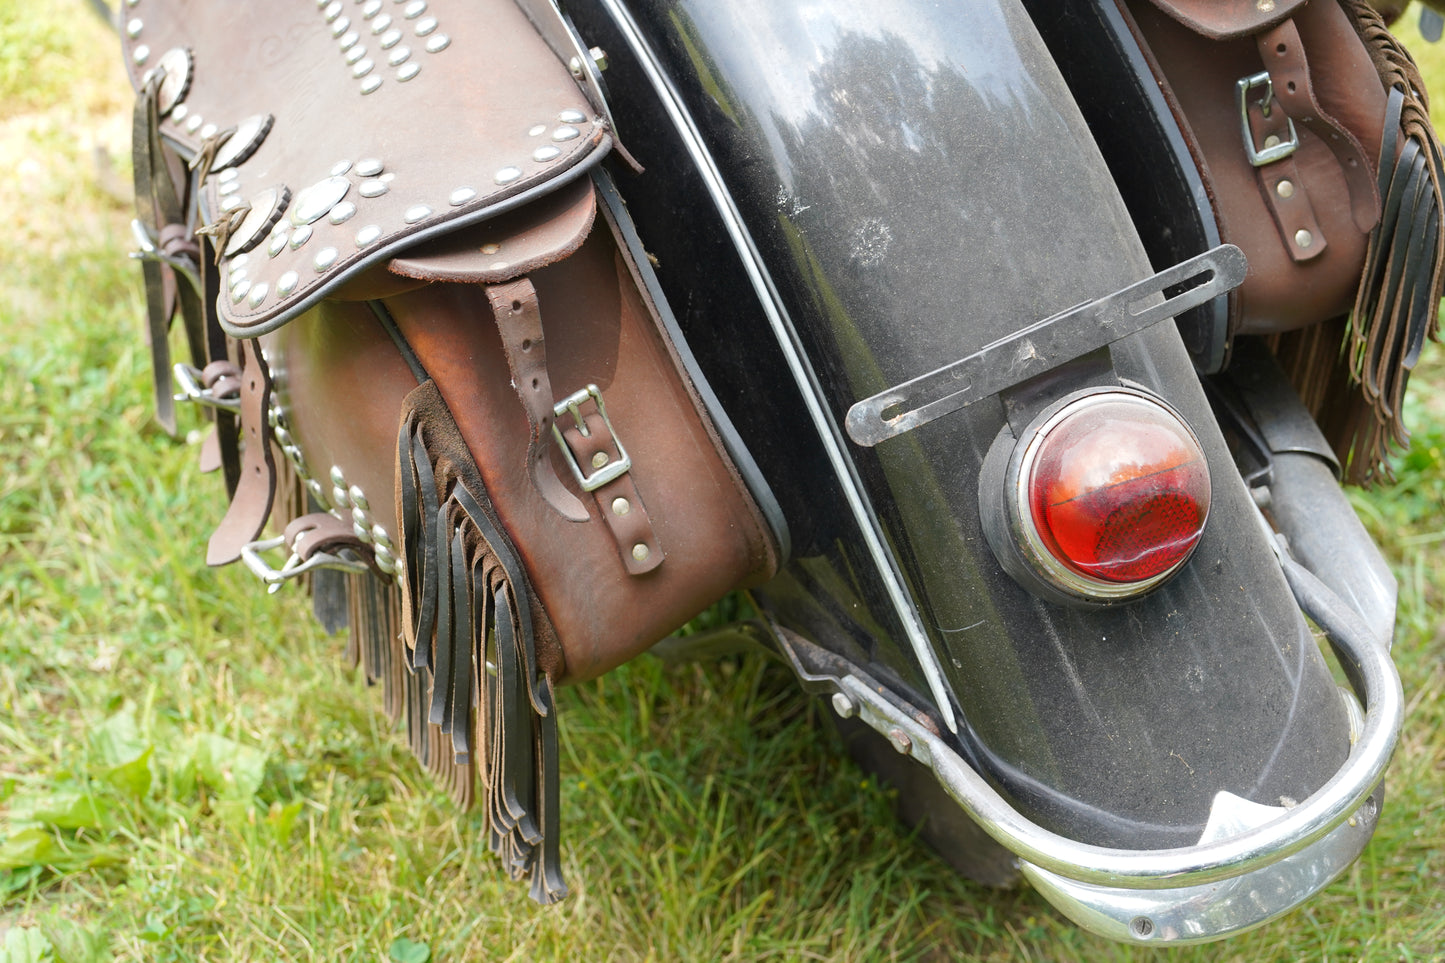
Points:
(843, 705)
(900, 740)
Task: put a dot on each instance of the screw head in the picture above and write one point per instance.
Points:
(843, 705)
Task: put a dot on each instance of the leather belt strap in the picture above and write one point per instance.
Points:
(1283, 189)
(256, 490)
(618, 500)
(1283, 54)
(519, 319)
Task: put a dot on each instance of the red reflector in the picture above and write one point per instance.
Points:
(1118, 489)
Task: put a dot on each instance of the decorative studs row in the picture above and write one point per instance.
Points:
(389, 36)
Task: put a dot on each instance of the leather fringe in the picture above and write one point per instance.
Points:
(466, 604)
(1398, 302)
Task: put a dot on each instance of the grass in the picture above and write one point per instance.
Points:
(188, 773)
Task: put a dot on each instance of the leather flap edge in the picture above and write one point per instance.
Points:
(1228, 19)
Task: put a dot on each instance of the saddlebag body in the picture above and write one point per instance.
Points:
(454, 379)
(1308, 124)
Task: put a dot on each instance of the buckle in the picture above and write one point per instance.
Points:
(191, 389)
(1270, 152)
(607, 471)
(294, 567)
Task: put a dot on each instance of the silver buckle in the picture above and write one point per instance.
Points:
(189, 380)
(294, 567)
(604, 473)
(1270, 153)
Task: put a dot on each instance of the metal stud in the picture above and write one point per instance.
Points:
(537, 131)
(238, 293)
(236, 276)
(407, 72)
(278, 244)
(640, 552)
(325, 259)
(287, 282)
(317, 489)
(340, 167)
(425, 26)
(506, 175)
(133, 28)
(388, 177)
(362, 533)
(415, 213)
(299, 237)
(370, 84)
(385, 563)
(565, 133)
(358, 517)
(338, 497)
(178, 112)
(355, 54)
(240, 260)
(414, 9)
(227, 175)
(398, 55)
(258, 294)
(362, 67)
(141, 54)
(572, 117)
(333, 10)
(193, 123)
(1303, 238)
(438, 43)
(338, 477)
(341, 26)
(358, 498)
(373, 188)
(230, 203)
(208, 131)
(546, 153)
(381, 24)
(369, 167)
(368, 235)
(380, 536)
(460, 196)
(621, 506)
(350, 39)
(229, 188)
(390, 39)
(342, 213)
(371, 8)
(1284, 189)
(314, 202)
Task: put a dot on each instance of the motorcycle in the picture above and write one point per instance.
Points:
(1009, 388)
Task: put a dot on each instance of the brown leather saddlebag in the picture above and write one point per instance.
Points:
(454, 379)
(1309, 126)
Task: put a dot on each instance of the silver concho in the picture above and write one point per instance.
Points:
(179, 68)
(266, 209)
(249, 135)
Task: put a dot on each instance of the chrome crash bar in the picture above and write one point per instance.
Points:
(1253, 862)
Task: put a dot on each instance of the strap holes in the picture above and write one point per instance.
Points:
(535, 384)
(527, 344)
(516, 306)
(1281, 49)
(1289, 86)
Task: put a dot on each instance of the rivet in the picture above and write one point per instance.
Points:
(369, 166)
(537, 131)
(1264, 6)
(1303, 238)
(236, 276)
(621, 506)
(491, 248)
(227, 175)
(390, 39)
(546, 153)
(258, 294)
(208, 131)
(367, 235)
(1271, 141)
(141, 54)
(341, 26)
(371, 8)
(333, 10)
(414, 9)
(600, 459)
(398, 55)
(240, 260)
(238, 293)
(415, 213)
(287, 282)
(325, 258)
(355, 53)
(507, 174)
(566, 132)
(640, 552)
(278, 244)
(362, 67)
(133, 27)
(230, 203)
(179, 112)
(370, 84)
(1284, 189)
(358, 498)
(460, 196)
(299, 237)
(340, 167)
(350, 39)
(425, 26)
(229, 188)
(572, 117)
(407, 71)
(373, 188)
(193, 123)
(381, 24)
(342, 213)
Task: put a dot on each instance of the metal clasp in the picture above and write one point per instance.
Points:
(189, 380)
(610, 471)
(1270, 152)
(294, 567)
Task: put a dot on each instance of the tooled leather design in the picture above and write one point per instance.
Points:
(386, 121)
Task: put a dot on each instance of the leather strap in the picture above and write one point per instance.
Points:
(256, 490)
(1283, 54)
(519, 320)
(1282, 187)
(618, 500)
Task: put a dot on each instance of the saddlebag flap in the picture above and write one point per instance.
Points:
(1309, 126)
(450, 380)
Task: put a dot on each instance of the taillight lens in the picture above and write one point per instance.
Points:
(1113, 493)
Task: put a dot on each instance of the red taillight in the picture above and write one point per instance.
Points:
(1111, 493)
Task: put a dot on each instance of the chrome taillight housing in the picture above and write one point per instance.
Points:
(1103, 498)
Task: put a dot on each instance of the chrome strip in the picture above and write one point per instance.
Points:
(802, 373)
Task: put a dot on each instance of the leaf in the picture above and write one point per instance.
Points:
(282, 819)
(73, 943)
(61, 808)
(134, 777)
(118, 741)
(15, 880)
(404, 950)
(25, 945)
(233, 770)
